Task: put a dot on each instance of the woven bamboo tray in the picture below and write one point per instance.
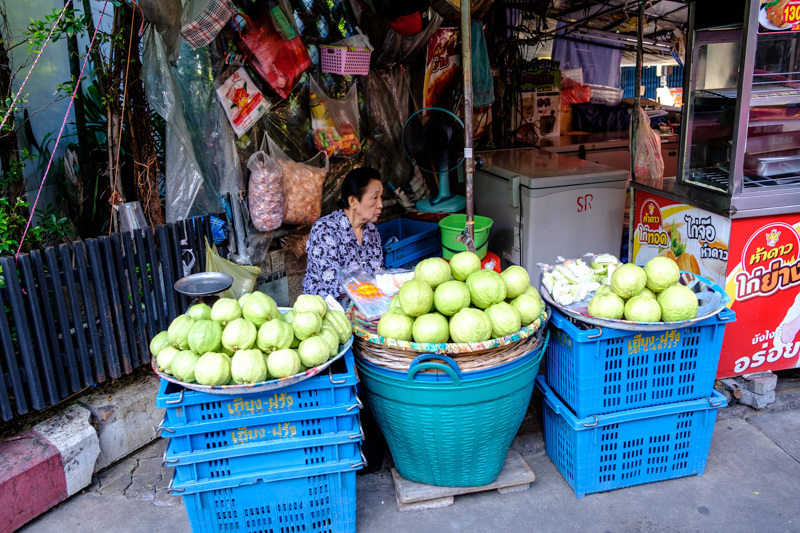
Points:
(395, 354)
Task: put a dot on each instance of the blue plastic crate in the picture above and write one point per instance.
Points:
(330, 389)
(628, 448)
(596, 371)
(257, 457)
(319, 500)
(417, 240)
(230, 435)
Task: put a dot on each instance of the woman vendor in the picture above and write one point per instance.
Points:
(347, 238)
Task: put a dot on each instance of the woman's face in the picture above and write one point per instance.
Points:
(370, 205)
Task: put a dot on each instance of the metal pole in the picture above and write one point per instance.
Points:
(469, 163)
(636, 96)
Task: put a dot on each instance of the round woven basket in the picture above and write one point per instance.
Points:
(397, 355)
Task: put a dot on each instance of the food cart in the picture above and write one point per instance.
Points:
(733, 212)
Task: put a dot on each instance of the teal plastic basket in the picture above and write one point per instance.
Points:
(454, 433)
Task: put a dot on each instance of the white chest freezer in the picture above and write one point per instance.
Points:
(546, 204)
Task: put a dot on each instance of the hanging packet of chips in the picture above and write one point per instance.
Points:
(243, 102)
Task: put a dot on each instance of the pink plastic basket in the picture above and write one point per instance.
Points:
(344, 61)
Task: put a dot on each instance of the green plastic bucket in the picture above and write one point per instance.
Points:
(453, 225)
(450, 433)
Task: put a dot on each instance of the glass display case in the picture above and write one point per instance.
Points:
(740, 140)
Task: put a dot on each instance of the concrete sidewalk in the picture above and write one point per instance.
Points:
(751, 483)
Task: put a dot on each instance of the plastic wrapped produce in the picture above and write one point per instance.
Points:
(266, 196)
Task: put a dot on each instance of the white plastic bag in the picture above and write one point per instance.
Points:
(648, 163)
(266, 197)
(242, 101)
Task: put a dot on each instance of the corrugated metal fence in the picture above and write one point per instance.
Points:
(84, 314)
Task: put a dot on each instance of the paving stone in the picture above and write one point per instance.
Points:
(757, 401)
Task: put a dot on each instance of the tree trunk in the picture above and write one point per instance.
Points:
(140, 128)
(80, 119)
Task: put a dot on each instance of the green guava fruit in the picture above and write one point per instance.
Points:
(396, 326)
(451, 296)
(416, 297)
(628, 280)
(606, 306)
(183, 365)
(311, 302)
(662, 272)
(165, 358)
(434, 271)
(678, 303)
(248, 366)
(213, 369)
(225, 310)
(306, 324)
(239, 335)
(486, 287)
(642, 309)
(471, 325)
(199, 311)
(505, 319)
(159, 342)
(463, 264)
(313, 352)
(259, 308)
(330, 337)
(274, 335)
(178, 331)
(283, 363)
(205, 336)
(431, 327)
(529, 308)
(516, 279)
(339, 322)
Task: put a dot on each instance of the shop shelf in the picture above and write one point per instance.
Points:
(596, 371)
(627, 448)
(314, 500)
(258, 457)
(329, 389)
(416, 240)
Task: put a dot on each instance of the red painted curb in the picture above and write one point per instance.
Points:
(31, 479)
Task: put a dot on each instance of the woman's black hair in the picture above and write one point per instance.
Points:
(355, 183)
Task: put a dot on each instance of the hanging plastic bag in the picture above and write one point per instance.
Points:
(203, 19)
(244, 277)
(278, 61)
(482, 80)
(334, 122)
(266, 197)
(302, 184)
(648, 162)
(242, 101)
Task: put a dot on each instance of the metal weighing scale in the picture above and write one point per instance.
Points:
(203, 286)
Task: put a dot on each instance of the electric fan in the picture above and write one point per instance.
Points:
(433, 139)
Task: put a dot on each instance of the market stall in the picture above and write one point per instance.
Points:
(732, 213)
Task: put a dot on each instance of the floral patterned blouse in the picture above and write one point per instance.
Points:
(332, 246)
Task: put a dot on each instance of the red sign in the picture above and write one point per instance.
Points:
(765, 289)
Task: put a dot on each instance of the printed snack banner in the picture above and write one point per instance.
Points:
(764, 285)
(696, 239)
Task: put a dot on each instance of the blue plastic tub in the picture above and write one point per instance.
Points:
(330, 389)
(416, 240)
(259, 457)
(319, 499)
(616, 450)
(596, 371)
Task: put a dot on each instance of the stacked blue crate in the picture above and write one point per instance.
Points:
(285, 458)
(623, 408)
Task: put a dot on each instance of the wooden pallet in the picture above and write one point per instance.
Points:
(516, 476)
